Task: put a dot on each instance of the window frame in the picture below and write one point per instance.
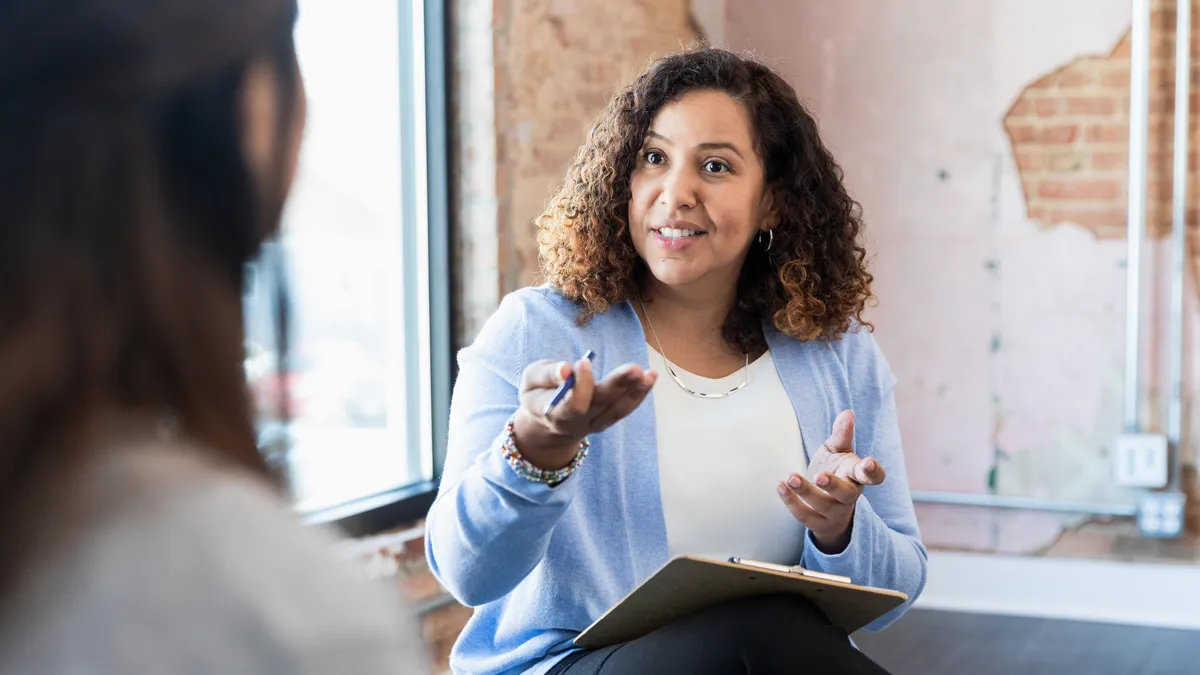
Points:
(428, 262)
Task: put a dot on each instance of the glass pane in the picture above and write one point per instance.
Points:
(342, 245)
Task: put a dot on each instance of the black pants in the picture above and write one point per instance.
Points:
(756, 636)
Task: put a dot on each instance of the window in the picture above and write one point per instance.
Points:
(365, 251)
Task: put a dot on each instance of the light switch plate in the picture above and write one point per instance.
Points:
(1141, 460)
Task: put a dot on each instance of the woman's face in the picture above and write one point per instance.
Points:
(697, 195)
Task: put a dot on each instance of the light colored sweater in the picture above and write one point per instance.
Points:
(540, 563)
(181, 567)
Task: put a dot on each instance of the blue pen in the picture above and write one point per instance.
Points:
(565, 387)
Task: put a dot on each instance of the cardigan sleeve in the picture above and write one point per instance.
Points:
(489, 528)
(885, 549)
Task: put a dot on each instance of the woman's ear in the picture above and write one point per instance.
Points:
(768, 214)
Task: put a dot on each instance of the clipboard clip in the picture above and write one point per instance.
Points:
(793, 569)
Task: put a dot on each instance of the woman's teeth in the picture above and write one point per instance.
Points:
(672, 233)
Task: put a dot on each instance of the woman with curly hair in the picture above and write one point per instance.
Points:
(703, 232)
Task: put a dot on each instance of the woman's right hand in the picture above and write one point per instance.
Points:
(551, 441)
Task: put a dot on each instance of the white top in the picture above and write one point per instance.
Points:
(720, 461)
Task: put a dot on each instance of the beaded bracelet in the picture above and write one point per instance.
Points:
(528, 471)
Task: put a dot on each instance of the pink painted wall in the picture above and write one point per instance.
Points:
(1007, 336)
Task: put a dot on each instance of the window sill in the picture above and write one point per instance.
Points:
(378, 513)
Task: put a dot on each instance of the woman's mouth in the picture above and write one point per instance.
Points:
(676, 239)
(672, 233)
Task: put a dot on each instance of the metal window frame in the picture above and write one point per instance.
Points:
(427, 261)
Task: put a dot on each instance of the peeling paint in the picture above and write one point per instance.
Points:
(1030, 317)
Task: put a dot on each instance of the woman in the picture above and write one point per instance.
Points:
(148, 148)
(705, 248)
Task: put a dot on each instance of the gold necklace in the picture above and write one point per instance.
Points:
(671, 370)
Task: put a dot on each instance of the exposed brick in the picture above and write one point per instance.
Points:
(439, 651)
(1091, 218)
(1162, 102)
(1049, 134)
(1066, 162)
(1048, 107)
(1113, 230)
(1163, 48)
(440, 628)
(549, 162)
(1079, 189)
(1104, 160)
(1123, 47)
(420, 587)
(1116, 77)
(594, 99)
(1162, 73)
(445, 622)
(565, 127)
(1161, 130)
(1074, 79)
(415, 548)
(1108, 133)
(1030, 161)
(1160, 163)
(557, 63)
(1062, 133)
(1022, 133)
(1159, 190)
(1092, 105)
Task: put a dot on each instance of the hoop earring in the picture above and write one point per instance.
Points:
(770, 239)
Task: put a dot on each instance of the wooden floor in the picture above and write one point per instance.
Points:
(951, 643)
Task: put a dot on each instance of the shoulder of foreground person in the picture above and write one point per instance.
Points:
(200, 569)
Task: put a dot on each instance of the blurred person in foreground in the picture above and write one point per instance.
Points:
(147, 151)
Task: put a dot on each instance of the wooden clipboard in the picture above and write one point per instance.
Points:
(685, 585)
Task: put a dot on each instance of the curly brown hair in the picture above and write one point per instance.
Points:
(814, 281)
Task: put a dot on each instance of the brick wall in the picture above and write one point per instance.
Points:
(473, 161)
(1070, 136)
(441, 618)
(557, 63)
(400, 556)
(529, 78)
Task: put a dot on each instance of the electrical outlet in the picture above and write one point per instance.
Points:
(1161, 514)
(1141, 460)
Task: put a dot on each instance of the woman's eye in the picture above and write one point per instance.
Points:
(655, 157)
(713, 166)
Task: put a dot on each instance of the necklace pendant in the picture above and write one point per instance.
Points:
(675, 376)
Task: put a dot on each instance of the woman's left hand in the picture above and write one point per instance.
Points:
(825, 501)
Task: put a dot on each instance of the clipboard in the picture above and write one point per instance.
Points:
(687, 584)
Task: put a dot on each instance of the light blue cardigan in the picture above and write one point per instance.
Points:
(539, 564)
